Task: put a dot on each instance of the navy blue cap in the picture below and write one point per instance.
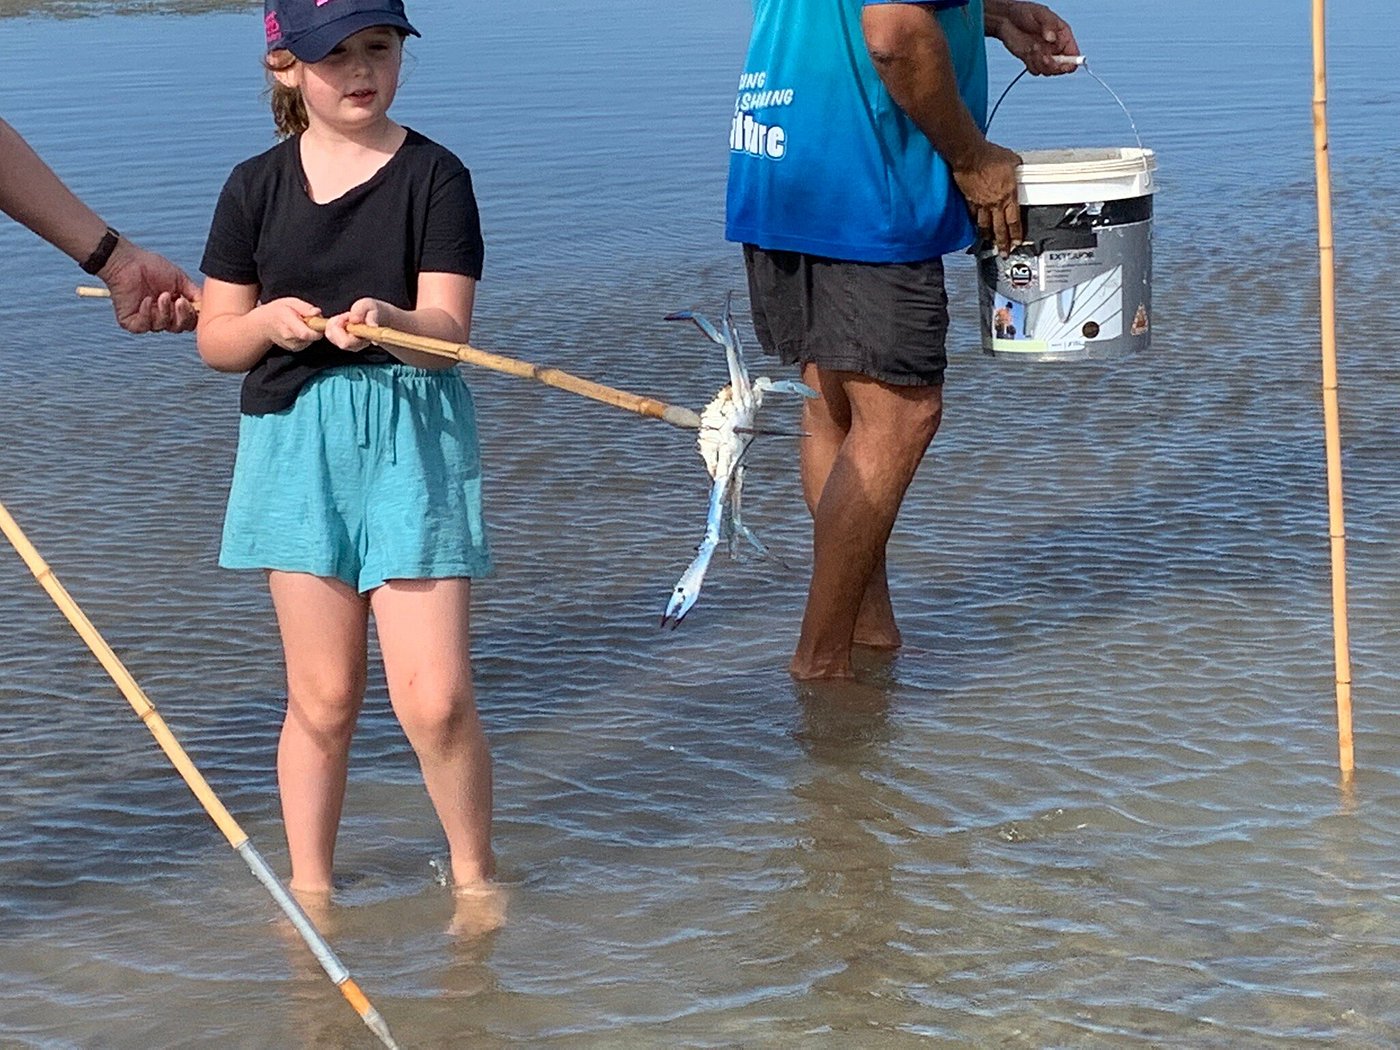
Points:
(311, 29)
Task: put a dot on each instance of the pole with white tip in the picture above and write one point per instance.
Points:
(235, 835)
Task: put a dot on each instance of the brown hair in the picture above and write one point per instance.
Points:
(288, 107)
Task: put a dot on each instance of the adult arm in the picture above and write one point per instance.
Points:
(1031, 32)
(912, 57)
(149, 293)
(443, 311)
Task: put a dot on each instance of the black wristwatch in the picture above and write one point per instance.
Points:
(102, 252)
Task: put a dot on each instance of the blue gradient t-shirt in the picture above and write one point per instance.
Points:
(821, 158)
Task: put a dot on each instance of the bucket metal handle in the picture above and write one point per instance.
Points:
(1082, 62)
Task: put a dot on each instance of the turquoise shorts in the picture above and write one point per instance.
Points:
(373, 474)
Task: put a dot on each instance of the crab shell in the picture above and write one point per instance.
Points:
(717, 420)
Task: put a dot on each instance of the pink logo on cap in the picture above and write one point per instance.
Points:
(322, 3)
(272, 27)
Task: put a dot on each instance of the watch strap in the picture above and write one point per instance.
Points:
(102, 252)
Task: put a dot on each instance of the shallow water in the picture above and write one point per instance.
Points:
(1095, 802)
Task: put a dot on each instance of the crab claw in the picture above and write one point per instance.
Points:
(687, 590)
(730, 328)
(680, 604)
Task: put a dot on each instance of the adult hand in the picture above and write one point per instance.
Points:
(1035, 35)
(149, 292)
(283, 324)
(362, 311)
(988, 181)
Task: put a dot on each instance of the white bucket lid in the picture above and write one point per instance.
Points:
(1084, 175)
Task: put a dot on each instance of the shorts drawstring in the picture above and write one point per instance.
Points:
(366, 403)
(394, 395)
(378, 384)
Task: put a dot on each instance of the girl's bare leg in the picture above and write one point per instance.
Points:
(323, 624)
(424, 633)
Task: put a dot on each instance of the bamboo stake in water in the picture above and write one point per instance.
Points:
(237, 838)
(676, 415)
(1330, 409)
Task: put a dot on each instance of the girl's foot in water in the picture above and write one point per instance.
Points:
(478, 908)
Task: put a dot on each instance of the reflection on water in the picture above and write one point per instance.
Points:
(1093, 803)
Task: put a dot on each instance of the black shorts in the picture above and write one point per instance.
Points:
(888, 321)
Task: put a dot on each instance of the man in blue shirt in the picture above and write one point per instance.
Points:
(857, 160)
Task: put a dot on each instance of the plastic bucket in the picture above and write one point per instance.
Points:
(1080, 285)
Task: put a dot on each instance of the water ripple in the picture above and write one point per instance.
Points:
(1092, 804)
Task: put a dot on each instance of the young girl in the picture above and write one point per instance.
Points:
(357, 486)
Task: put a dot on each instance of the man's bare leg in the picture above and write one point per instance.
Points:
(827, 421)
(875, 625)
(887, 430)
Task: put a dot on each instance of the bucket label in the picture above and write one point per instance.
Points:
(1068, 317)
(1067, 301)
(1140, 320)
(1064, 269)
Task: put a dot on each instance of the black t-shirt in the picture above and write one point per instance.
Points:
(416, 214)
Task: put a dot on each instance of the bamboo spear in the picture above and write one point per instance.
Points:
(676, 415)
(1330, 411)
(236, 836)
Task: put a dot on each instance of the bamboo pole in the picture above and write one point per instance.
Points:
(676, 415)
(1330, 410)
(235, 835)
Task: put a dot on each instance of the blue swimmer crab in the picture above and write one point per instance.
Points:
(726, 431)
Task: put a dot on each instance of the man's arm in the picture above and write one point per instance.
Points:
(149, 293)
(912, 57)
(1031, 32)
